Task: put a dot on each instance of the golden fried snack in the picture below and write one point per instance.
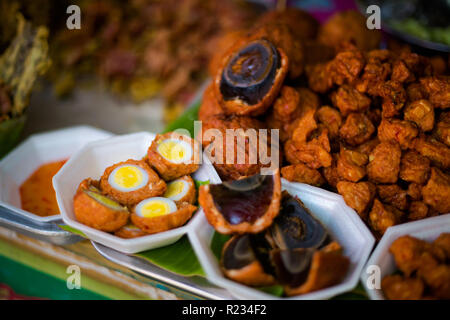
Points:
(407, 252)
(129, 231)
(250, 77)
(443, 241)
(414, 167)
(415, 91)
(442, 131)
(436, 193)
(393, 95)
(437, 90)
(375, 72)
(417, 211)
(384, 163)
(396, 130)
(420, 112)
(302, 173)
(346, 66)
(437, 278)
(358, 196)
(96, 210)
(356, 129)
(181, 190)
(131, 181)
(397, 287)
(330, 173)
(351, 165)
(394, 195)
(327, 268)
(331, 119)
(151, 217)
(210, 105)
(174, 155)
(414, 191)
(231, 169)
(349, 26)
(348, 100)
(383, 216)
(437, 152)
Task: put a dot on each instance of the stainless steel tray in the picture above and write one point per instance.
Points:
(45, 231)
(196, 286)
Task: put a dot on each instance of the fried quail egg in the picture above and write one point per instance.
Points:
(177, 189)
(128, 178)
(155, 207)
(175, 151)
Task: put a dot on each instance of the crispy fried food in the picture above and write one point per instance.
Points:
(417, 211)
(357, 129)
(383, 216)
(437, 277)
(348, 100)
(349, 26)
(129, 231)
(397, 287)
(358, 196)
(166, 221)
(210, 105)
(181, 190)
(438, 90)
(415, 91)
(437, 152)
(414, 167)
(393, 95)
(351, 165)
(368, 146)
(154, 186)
(375, 72)
(442, 132)
(96, 210)
(407, 252)
(331, 119)
(302, 173)
(415, 191)
(384, 163)
(346, 66)
(443, 241)
(400, 131)
(319, 77)
(394, 195)
(330, 173)
(420, 112)
(436, 193)
(244, 127)
(167, 155)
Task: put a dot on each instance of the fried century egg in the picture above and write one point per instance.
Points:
(155, 207)
(181, 190)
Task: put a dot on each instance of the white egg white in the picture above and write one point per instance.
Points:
(113, 184)
(170, 203)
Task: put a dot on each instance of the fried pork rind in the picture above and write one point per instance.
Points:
(383, 216)
(169, 170)
(328, 267)
(442, 132)
(349, 26)
(394, 195)
(164, 222)
(436, 193)
(443, 241)
(358, 196)
(351, 165)
(417, 211)
(437, 278)
(330, 173)
(107, 216)
(357, 129)
(415, 191)
(384, 163)
(400, 131)
(397, 287)
(420, 112)
(331, 119)
(414, 167)
(155, 186)
(393, 95)
(437, 152)
(437, 90)
(348, 100)
(302, 173)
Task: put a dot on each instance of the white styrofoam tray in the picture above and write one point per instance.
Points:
(383, 261)
(91, 161)
(342, 222)
(35, 151)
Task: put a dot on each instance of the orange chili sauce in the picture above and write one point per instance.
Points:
(37, 194)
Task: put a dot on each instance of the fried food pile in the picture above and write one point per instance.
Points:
(369, 123)
(424, 269)
(135, 198)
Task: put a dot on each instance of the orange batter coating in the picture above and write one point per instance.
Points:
(164, 222)
(397, 287)
(96, 210)
(358, 196)
(170, 170)
(302, 173)
(129, 231)
(191, 194)
(210, 105)
(154, 187)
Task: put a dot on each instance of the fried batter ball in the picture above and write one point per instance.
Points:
(96, 210)
(358, 196)
(384, 163)
(436, 193)
(174, 155)
(349, 26)
(164, 222)
(302, 173)
(129, 190)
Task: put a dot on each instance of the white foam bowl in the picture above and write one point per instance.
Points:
(90, 162)
(426, 229)
(35, 151)
(342, 222)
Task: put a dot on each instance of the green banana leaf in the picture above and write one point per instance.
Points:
(10, 131)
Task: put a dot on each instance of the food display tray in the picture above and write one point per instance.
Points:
(197, 286)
